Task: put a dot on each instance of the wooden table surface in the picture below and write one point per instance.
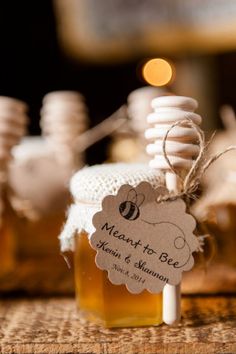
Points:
(51, 325)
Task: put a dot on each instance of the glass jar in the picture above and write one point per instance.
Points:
(13, 114)
(7, 237)
(39, 184)
(97, 298)
(215, 211)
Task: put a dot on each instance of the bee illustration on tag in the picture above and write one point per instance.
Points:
(129, 209)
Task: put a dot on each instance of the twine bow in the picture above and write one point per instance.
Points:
(192, 180)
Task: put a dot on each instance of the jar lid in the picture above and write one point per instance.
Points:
(39, 182)
(92, 184)
(30, 146)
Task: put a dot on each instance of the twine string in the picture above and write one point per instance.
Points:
(192, 180)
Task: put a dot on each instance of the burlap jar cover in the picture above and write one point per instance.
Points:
(90, 185)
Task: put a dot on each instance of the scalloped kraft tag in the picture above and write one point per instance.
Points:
(141, 242)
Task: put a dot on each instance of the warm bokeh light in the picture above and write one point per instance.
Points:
(157, 72)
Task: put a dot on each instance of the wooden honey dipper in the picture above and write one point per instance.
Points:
(63, 118)
(181, 149)
(13, 121)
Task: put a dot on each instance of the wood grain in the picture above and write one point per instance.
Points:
(53, 326)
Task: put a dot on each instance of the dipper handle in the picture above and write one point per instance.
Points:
(181, 149)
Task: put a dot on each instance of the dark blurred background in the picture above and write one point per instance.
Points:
(33, 63)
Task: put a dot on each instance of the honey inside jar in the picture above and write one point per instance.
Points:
(104, 303)
(7, 241)
(6, 250)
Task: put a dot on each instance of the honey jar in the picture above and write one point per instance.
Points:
(39, 183)
(38, 176)
(13, 121)
(7, 237)
(99, 300)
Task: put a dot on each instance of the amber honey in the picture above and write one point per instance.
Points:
(7, 242)
(104, 303)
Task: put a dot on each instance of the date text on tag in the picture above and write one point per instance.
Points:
(143, 243)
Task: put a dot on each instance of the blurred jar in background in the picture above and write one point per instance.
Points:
(40, 186)
(216, 210)
(128, 143)
(13, 120)
(39, 177)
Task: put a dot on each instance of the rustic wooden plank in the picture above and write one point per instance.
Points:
(52, 325)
